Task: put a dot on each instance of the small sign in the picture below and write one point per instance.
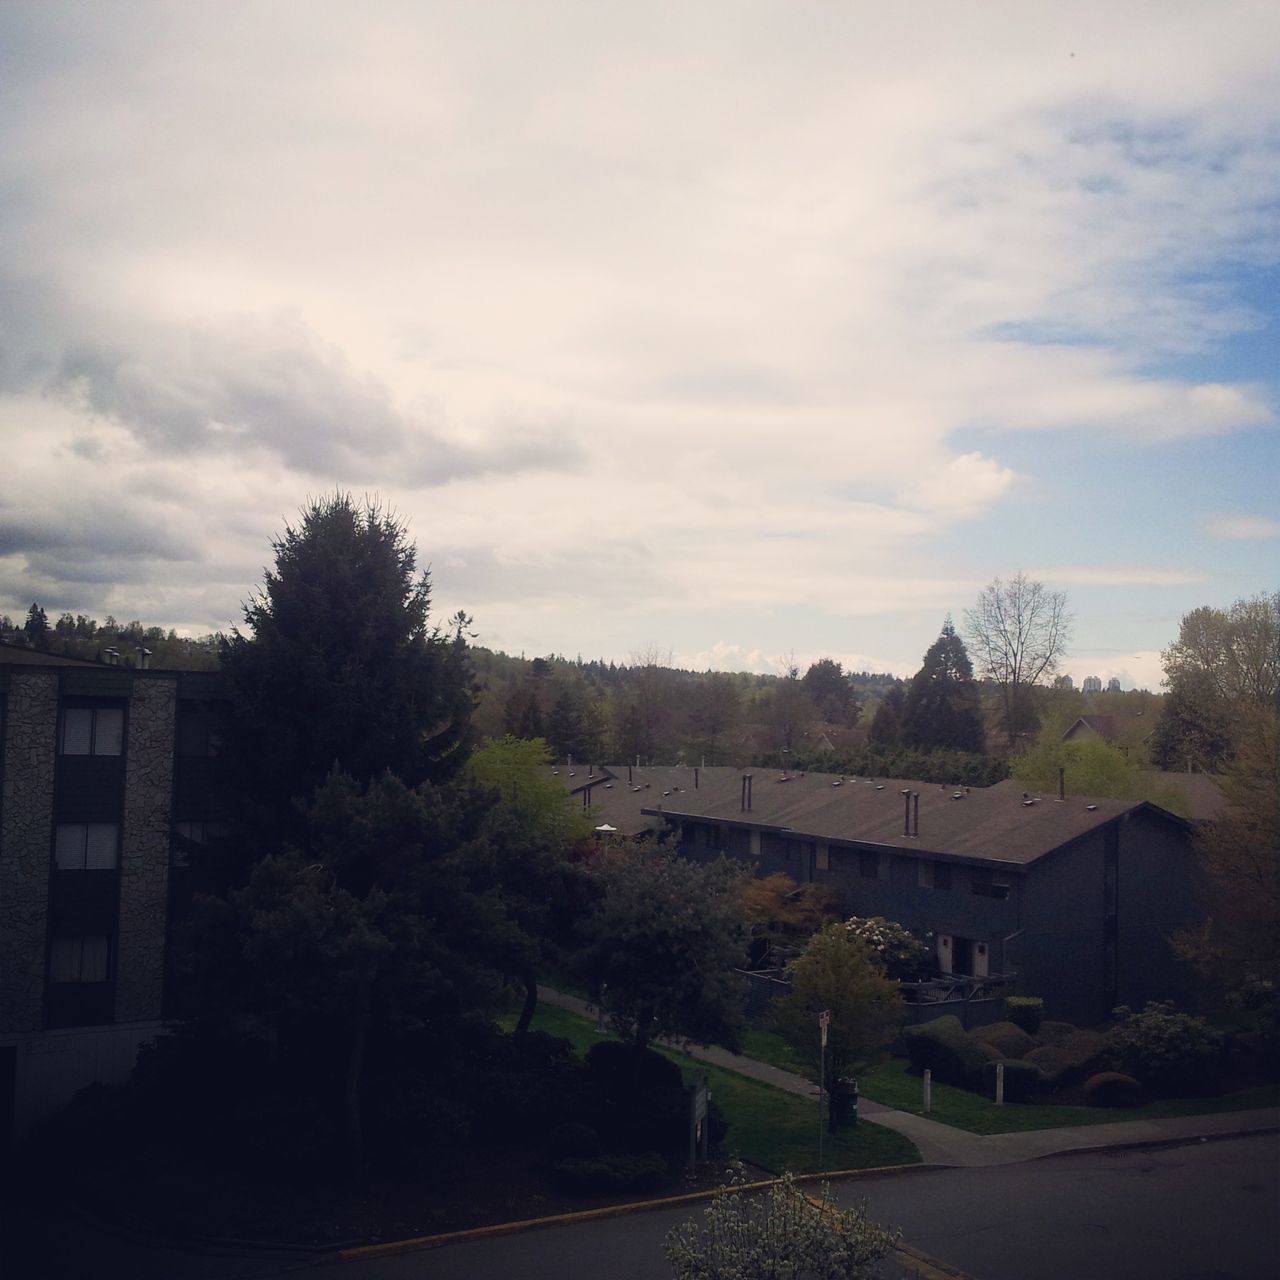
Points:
(824, 1019)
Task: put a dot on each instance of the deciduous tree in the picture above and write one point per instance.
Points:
(1018, 631)
(664, 938)
(838, 974)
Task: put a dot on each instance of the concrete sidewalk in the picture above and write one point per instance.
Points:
(942, 1144)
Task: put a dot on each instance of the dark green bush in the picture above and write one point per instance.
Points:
(645, 1171)
(1112, 1089)
(1021, 1079)
(1169, 1052)
(988, 1051)
(621, 1068)
(1026, 1012)
(1054, 1063)
(1056, 1032)
(573, 1141)
(1010, 1039)
(943, 1047)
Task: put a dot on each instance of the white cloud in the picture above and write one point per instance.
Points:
(652, 317)
(1243, 528)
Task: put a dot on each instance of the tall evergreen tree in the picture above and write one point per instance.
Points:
(942, 706)
(37, 627)
(341, 667)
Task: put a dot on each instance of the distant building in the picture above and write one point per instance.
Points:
(1082, 727)
(1092, 684)
(1113, 685)
(107, 805)
(1064, 682)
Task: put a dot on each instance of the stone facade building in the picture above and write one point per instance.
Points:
(105, 790)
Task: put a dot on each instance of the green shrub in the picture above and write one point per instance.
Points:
(1026, 1012)
(1088, 1051)
(1054, 1064)
(621, 1068)
(1021, 1079)
(988, 1051)
(1056, 1032)
(573, 1141)
(943, 1047)
(1010, 1039)
(1169, 1052)
(645, 1171)
(1112, 1089)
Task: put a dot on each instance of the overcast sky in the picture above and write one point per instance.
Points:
(733, 331)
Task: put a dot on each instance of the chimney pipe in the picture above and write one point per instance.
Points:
(695, 777)
(906, 813)
(586, 797)
(628, 773)
(1062, 783)
(916, 808)
(744, 793)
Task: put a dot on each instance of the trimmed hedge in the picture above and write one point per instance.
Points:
(1026, 1012)
(1056, 1032)
(944, 1047)
(1112, 1089)
(1054, 1063)
(644, 1172)
(1021, 1079)
(1011, 1040)
(573, 1141)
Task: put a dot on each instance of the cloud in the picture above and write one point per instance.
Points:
(1243, 528)
(963, 487)
(1118, 576)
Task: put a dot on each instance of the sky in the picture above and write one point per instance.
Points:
(736, 333)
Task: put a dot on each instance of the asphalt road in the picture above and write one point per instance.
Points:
(1209, 1210)
(1206, 1211)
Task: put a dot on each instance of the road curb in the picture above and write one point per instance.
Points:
(414, 1244)
(1144, 1144)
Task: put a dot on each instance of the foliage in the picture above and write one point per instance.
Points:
(1169, 1052)
(1011, 1040)
(715, 708)
(1237, 951)
(37, 627)
(341, 667)
(827, 684)
(617, 1171)
(886, 724)
(944, 1047)
(894, 948)
(1092, 768)
(783, 1234)
(1022, 1080)
(573, 1140)
(838, 974)
(1224, 664)
(948, 768)
(663, 938)
(1112, 1089)
(1018, 631)
(942, 707)
(1026, 1012)
(779, 909)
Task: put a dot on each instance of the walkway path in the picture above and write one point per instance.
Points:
(942, 1144)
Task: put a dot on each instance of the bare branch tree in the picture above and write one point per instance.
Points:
(1018, 631)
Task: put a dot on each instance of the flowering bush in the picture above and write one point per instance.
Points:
(780, 1235)
(897, 950)
(1169, 1052)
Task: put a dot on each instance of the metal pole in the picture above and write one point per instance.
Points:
(928, 1090)
(999, 1084)
(822, 1084)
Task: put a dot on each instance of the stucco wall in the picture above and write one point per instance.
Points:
(26, 813)
(144, 861)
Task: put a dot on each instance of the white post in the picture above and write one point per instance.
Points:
(928, 1090)
(823, 1018)
(999, 1084)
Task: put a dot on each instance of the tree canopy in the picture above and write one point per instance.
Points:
(1018, 631)
(341, 666)
(942, 707)
(664, 939)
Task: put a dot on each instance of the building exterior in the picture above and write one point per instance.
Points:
(1076, 898)
(105, 792)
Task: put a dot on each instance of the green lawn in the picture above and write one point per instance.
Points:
(767, 1127)
(893, 1084)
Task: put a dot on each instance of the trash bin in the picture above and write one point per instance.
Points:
(846, 1101)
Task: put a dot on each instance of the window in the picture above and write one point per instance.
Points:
(80, 959)
(92, 731)
(942, 875)
(869, 864)
(197, 733)
(189, 833)
(85, 846)
(903, 870)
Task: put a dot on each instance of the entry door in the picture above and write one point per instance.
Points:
(962, 956)
(944, 953)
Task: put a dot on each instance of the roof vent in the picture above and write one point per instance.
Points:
(1091, 807)
(837, 782)
(880, 787)
(957, 795)
(608, 786)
